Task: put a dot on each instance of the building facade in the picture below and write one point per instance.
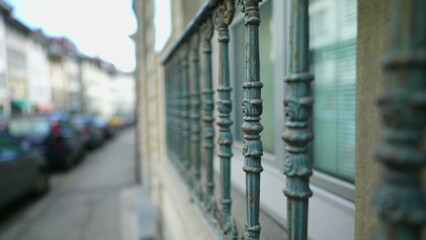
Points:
(347, 39)
(17, 40)
(4, 81)
(58, 76)
(91, 83)
(72, 66)
(124, 94)
(39, 73)
(39, 88)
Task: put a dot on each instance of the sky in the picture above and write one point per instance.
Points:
(162, 22)
(97, 27)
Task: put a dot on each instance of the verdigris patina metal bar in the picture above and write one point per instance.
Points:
(168, 109)
(400, 201)
(176, 105)
(180, 114)
(186, 164)
(208, 107)
(201, 16)
(297, 135)
(176, 121)
(252, 109)
(195, 116)
(222, 17)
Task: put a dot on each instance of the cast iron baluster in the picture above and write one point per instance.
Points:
(222, 18)
(180, 113)
(195, 117)
(252, 109)
(298, 110)
(168, 113)
(400, 201)
(186, 163)
(179, 85)
(208, 107)
(174, 109)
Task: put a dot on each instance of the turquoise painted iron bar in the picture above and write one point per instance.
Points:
(180, 101)
(208, 107)
(400, 201)
(174, 128)
(186, 149)
(222, 17)
(168, 108)
(252, 110)
(195, 117)
(174, 110)
(298, 104)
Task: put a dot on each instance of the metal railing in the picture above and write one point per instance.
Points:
(190, 102)
(183, 93)
(189, 107)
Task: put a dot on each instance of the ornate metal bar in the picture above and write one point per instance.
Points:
(223, 16)
(252, 109)
(208, 107)
(186, 164)
(195, 116)
(174, 80)
(180, 113)
(183, 144)
(297, 135)
(400, 201)
(168, 109)
(176, 130)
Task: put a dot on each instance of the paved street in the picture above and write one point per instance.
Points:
(95, 200)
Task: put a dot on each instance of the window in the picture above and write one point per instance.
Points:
(333, 55)
(333, 61)
(267, 59)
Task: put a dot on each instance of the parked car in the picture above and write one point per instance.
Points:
(103, 124)
(23, 169)
(116, 123)
(92, 135)
(55, 137)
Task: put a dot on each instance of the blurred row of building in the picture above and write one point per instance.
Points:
(42, 74)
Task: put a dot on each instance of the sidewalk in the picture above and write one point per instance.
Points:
(96, 200)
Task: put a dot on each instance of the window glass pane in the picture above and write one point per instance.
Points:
(333, 55)
(29, 127)
(267, 60)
